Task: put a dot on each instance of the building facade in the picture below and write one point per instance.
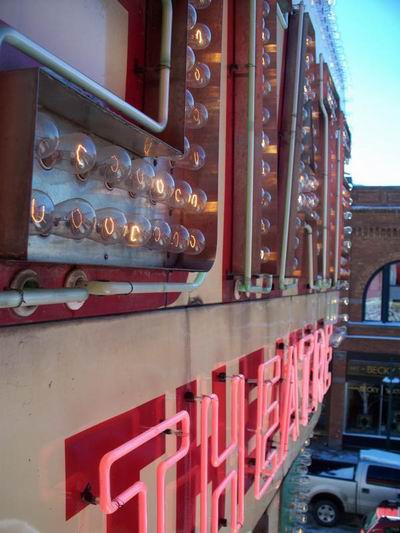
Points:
(364, 405)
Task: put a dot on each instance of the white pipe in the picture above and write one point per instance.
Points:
(308, 229)
(292, 145)
(32, 297)
(281, 17)
(43, 56)
(246, 285)
(111, 288)
(338, 197)
(325, 174)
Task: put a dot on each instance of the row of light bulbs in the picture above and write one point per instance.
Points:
(76, 218)
(265, 252)
(113, 165)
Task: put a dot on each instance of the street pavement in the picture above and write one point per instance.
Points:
(350, 524)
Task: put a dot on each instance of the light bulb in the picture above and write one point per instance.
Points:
(198, 201)
(162, 186)
(265, 226)
(139, 180)
(179, 239)
(344, 317)
(197, 117)
(194, 159)
(296, 243)
(305, 114)
(347, 245)
(265, 254)
(74, 219)
(267, 88)
(199, 37)
(265, 168)
(47, 137)
(298, 223)
(309, 60)
(161, 235)
(315, 217)
(191, 17)
(266, 115)
(345, 301)
(181, 196)
(295, 263)
(113, 165)
(264, 141)
(189, 102)
(266, 36)
(110, 226)
(313, 183)
(76, 153)
(302, 167)
(347, 230)
(347, 215)
(190, 58)
(266, 58)
(201, 4)
(301, 201)
(199, 76)
(197, 242)
(266, 8)
(138, 231)
(304, 182)
(312, 200)
(41, 214)
(265, 198)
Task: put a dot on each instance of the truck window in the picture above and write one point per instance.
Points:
(382, 475)
(334, 469)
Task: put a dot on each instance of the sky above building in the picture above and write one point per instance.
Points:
(370, 32)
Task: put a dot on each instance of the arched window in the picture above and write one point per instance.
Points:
(382, 295)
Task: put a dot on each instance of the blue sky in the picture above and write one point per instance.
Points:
(370, 31)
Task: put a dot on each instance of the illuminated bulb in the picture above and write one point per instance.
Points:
(190, 58)
(76, 153)
(161, 235)
(191, 17)
(193, 159)
(347, 215)
(266, 8)
(265, 254)
(138, 231)
(110, 226)
(315, 217)
(189, 102)
(46, 136)
(264, 141)
(139, 181)
(198, 201)
(199, 37)
(301, 202)
(313, 183)
(201, 4)
(267, 88)
(265, 168)
(162, 186)
(181, 196)
(113, 165)
(347, 230)
(266, 115)
(197, 117)
(74, 218)
(266, 198)
(197, 242)
(265, 226)
(309, 60)
(347, 245)
(266, 36)
(345, 301)
(312, 200)
(199, 76)
(304, 182)
(41, 213)
(309, 41)
(344, 317)
(179, 239)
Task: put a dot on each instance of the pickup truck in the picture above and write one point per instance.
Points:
(352, 484)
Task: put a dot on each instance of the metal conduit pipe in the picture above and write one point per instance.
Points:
(309, 231)
(246, 285)
(43, 56)
(283, 284)
(325, 281)
(13, 298)
(112, 288)
(338, 210)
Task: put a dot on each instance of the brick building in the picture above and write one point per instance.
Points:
(364, 405)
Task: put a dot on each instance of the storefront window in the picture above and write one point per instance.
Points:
(394, 293)
(382, 295)
(373, 298)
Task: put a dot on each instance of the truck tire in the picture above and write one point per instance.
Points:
(326, 512)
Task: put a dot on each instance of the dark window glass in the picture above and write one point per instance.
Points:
(384, 476)
(363, 408)
(336, 469)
